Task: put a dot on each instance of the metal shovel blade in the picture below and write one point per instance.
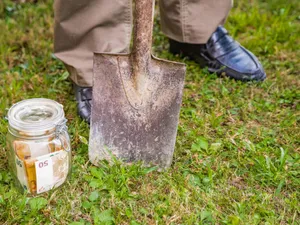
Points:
(136, 101)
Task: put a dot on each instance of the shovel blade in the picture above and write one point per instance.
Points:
(135, 118)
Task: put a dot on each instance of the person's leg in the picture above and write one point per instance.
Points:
(195, 29)
(83, 27)
(192, 21)
(86, 26)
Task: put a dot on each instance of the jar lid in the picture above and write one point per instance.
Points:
(36, 115)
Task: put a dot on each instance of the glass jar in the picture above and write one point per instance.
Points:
(38, 145)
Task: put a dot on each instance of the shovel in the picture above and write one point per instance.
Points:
(136, 100)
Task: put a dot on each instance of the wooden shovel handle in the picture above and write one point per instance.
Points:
(142, 38)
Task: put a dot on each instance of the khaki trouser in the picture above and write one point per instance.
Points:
(86, 26)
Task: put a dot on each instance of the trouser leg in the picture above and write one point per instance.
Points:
(192, 21)
(86, 26)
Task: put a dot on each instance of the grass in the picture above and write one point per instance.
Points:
(237, 151)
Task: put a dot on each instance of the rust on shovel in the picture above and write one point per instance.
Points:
(136, 100)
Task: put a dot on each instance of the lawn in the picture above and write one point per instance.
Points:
(237, 152)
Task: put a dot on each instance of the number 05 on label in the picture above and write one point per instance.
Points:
(44, 175)
(51, 170)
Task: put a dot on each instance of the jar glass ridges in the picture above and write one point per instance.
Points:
(38, 144)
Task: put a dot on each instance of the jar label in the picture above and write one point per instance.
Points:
(44, 174)
(51, 170)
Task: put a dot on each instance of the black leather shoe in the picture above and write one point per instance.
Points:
(222, 55)
(84, 101)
